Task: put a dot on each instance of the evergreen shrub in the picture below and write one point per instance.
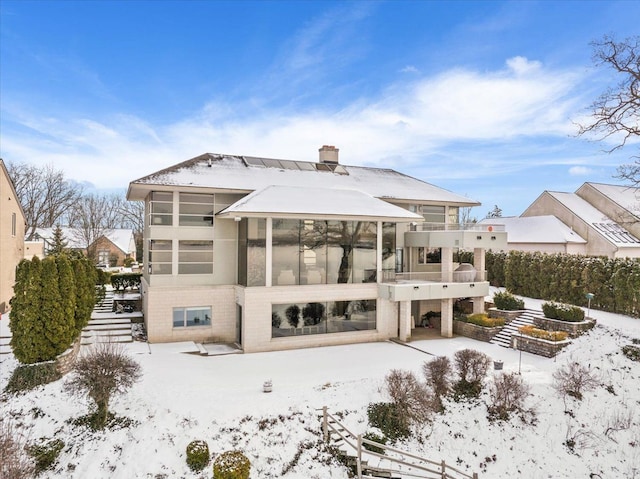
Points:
(632, 352)
(231, 465)
(372, 436)
(563, 312)
(542, 333)
(506, 301)
(29, 376)
(46, 453)
(197, 455)
(482, 319)
(386, 417)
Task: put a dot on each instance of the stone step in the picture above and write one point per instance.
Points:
(503, 338)
(108, 327)
(113, 321)
(84, 341)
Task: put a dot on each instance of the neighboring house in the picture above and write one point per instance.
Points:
(111, 249)
(12, 226)
(280, 254)
(546, 234)
(605, 216)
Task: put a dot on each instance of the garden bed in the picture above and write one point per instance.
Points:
(572, 328)
(541, 347)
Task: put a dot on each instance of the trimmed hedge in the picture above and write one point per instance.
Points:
(121, 282)
(543, 334)
(563, 312)
(231, 465)
(506, 301)
(482, 319)
(197, 455)
(566, 278)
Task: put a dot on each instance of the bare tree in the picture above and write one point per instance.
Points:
(573, 379)
(496, 212)
(93, 216)
(106, 370)
(410, 396)
(508, 394)
(45, 194)
(15, 462)
(131, 214)
(438, 373)
(616, 112)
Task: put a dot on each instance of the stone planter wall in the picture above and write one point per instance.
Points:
(541, 347)
(474, 331)
(573, 329)
(508, 316)
(66, 360)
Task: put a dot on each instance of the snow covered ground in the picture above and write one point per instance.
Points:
(185, 396)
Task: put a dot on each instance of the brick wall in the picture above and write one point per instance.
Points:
(541, 347)
(474, 331)
(574, 329)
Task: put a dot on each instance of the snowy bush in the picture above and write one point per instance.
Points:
(472, 367)
(563, 312)
(372, 436)
(508, 394)
(46, 453)
(632, 352)
(438, 374)
(15, 463)
(412, 399)
(573, 379)
(506, 301)
(388, 418)
(197, 455)
(29, 376)
(231, 465)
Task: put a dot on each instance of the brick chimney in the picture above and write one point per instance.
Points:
(329, 154)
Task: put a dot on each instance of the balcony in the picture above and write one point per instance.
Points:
(422, 286)
(469, 236)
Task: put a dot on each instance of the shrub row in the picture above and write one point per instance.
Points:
(121, 282)
(542, 334)
(228, 465)
(29, 376)
(563, 312)
(566, 278)
(506, 301)
(482, 319)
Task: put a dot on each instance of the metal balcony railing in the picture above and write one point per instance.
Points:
(456, 227)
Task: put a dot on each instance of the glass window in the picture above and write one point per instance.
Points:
(320, 317)
(286, 252)
(194, 316)
(196, 210)
(388, 246)
(195, 257)
(13, 224)
(433, 214)
(161, 208)
(160, 256)
(364, 252)
(429, 255)
(339, 251)
(454, 215)
(313, 259)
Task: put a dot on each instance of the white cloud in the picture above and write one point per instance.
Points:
(580, 171)
(410, 69)
(407, 124)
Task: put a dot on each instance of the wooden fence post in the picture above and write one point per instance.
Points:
(359, 459)
(443, 466)
(325, 426)
(475, 475)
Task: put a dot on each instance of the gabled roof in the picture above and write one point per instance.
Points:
(626, 197)
(292, 201)
(121, 238)
(5, 172)
(536, 229)
(608, 228)
(247, 174)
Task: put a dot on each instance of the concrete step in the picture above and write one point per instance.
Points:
(503, 338)
(108, 327)
(113, 321)
(84, 341)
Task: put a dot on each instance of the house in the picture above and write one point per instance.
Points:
(12, 225)
(546, 234)
(607, 217)
(111, 248)
(279, 254)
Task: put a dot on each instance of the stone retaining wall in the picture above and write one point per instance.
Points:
(66, 360)
(480, 333)
(573, 329)
(541, 347)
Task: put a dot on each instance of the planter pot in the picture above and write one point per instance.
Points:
(267, 386)
(572, 328)
(497, 365)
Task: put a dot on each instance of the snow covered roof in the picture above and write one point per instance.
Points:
(296, 201)
(121, 237)
(608, 228)
(247, 174)
(536, 229)
(625, 196)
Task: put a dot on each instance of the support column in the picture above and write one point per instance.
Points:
(446, 314)
(379, 252)
(268, 253)
(447, 265)
(478, 304)
(404, 320)
(479, 264)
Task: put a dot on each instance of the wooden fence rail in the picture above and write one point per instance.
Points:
(418, 466)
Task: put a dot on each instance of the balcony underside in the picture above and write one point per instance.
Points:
(414, 290)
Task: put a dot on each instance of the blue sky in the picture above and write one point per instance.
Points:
(478, 97)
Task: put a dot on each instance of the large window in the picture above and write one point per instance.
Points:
(389, 247)
(196, 210)
(295, 319)
(195, 316)
(195, 257)
(252, 241)
(161, 208)
(323, 252)
(160, 256)
(433, 214)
